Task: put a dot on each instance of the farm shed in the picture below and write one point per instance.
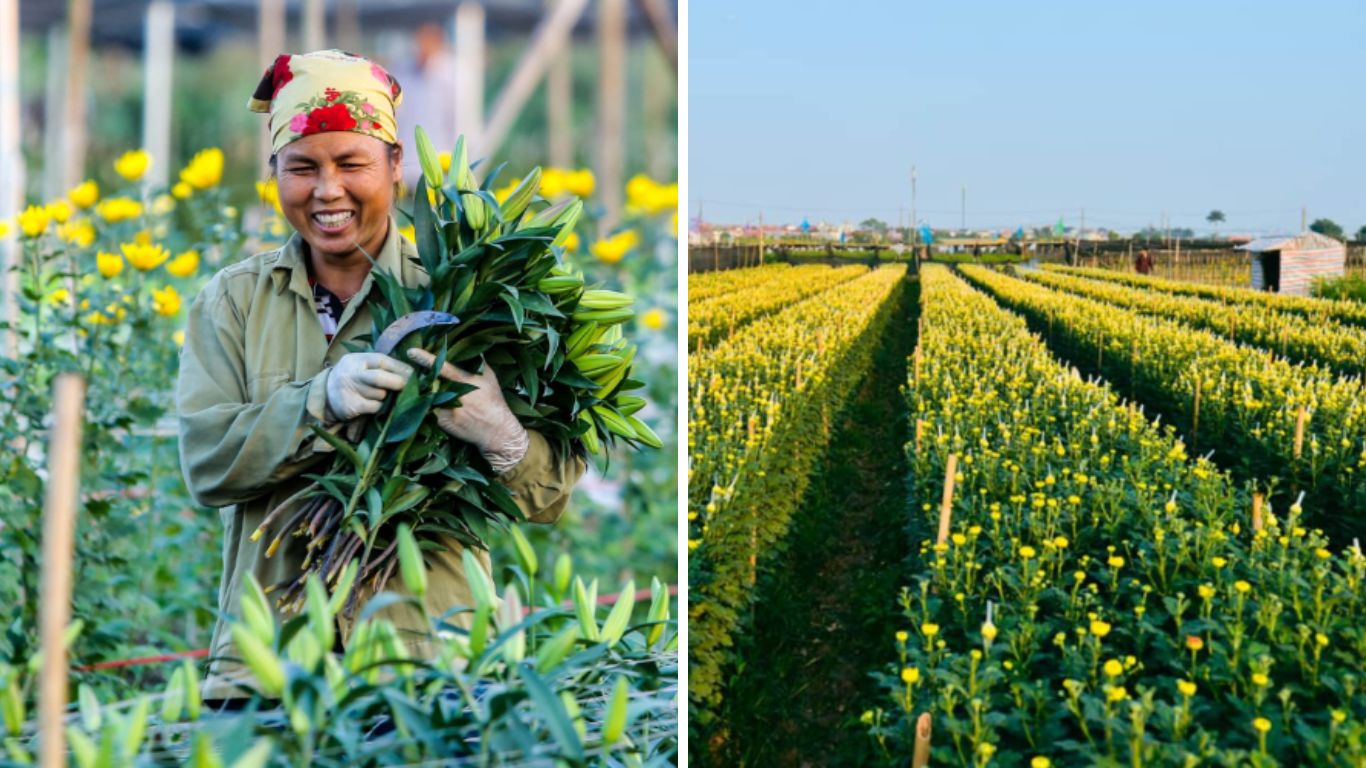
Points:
(1289, 263)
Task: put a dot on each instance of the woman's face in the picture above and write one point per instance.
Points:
(336, 190)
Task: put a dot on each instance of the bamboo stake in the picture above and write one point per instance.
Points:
(1257, 499)
(59, 522)
(921, 756)
(1195, 418)
(1299, 431)
(917, 365)
(946, 505)
(919, 434)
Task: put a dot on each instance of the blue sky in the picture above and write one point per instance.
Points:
(819, 109)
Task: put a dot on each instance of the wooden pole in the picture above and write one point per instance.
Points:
(611, 107)
(559, 101)
(662, 25)
(469, 77)
(315, 26)
(53, 105)
(917, 365)
(946, 503)
(11, 170)
(546, 43)
(1299, 431)
(919, 434)
(158, 63)
(920, 757)
(1257, 499)
(59, 523)
(270, 42)
(74, 120)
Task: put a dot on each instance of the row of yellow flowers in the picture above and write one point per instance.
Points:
(1101, 598)
(720, 316)
(708, 285)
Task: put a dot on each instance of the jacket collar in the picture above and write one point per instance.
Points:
(291, 271)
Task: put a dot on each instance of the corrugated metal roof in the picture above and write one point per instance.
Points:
(1305, 241)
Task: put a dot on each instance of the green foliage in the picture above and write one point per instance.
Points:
(1345, 288)
(761, 402)
(1101, 598)
(1327, 227)
(514, 688)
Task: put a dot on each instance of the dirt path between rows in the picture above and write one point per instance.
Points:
(825, 614)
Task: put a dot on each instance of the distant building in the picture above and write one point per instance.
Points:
(1289, 263)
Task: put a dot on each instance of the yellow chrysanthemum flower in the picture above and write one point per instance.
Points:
(132, 164)
(614, 248)
(1186, 688)
(33, 220)
(409, 233)
(166, 301)
(444, 158)
(929, 628)
(1261, 724)
(502, 193)
(163, 204)
(181, 191)
(117, 209)
(910, 675)
(80, 233)
(179, 338)
(653, 319)
(205, 169)
(1113, 668)
(184, 264)
(571, 243)
(59, 296)
(1040, 761)
(109, 264)
(1100, 628)
(269, 192)
(647, 197)
(85, 194)
(145, 257)
(4, 229)
(59, 210)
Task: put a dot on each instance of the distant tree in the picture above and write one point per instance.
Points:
(1215, 217)
(1361, 235)
(874, 225)
(1327, 227)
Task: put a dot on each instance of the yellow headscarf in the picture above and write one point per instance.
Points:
(327, 91)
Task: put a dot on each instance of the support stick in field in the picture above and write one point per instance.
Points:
(921, 756)
(946, 505)
(917, 365)
(59, 523)
(919, 434)
(1257, 500)
(1195, 415)
(1299, 431)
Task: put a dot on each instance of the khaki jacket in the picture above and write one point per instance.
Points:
(253, 378)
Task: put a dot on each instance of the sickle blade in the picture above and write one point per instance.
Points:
(413, 321)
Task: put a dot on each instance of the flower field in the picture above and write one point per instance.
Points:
(1342, 311)
(1096, 595)
(1131, 530)
(1289, 428)
(719, 317)
(105, 276)
(761, 401)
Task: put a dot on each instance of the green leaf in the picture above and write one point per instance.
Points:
(341, 445)
(518, 314)
(557, 719)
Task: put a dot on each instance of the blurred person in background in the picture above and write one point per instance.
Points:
(429, 94)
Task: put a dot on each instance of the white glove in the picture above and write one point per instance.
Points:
(356, 386)
(483, 418)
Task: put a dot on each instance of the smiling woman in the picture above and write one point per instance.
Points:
(265, 375)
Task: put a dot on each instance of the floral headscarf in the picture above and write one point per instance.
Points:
(327, 91)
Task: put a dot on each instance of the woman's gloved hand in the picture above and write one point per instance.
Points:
(483, 418)
(357, 384)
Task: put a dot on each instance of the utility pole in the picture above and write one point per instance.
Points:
(915, 223)
(761, 238)
(1304, 218)
(963, 223)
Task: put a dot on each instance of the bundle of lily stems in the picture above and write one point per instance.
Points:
(500, 294)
